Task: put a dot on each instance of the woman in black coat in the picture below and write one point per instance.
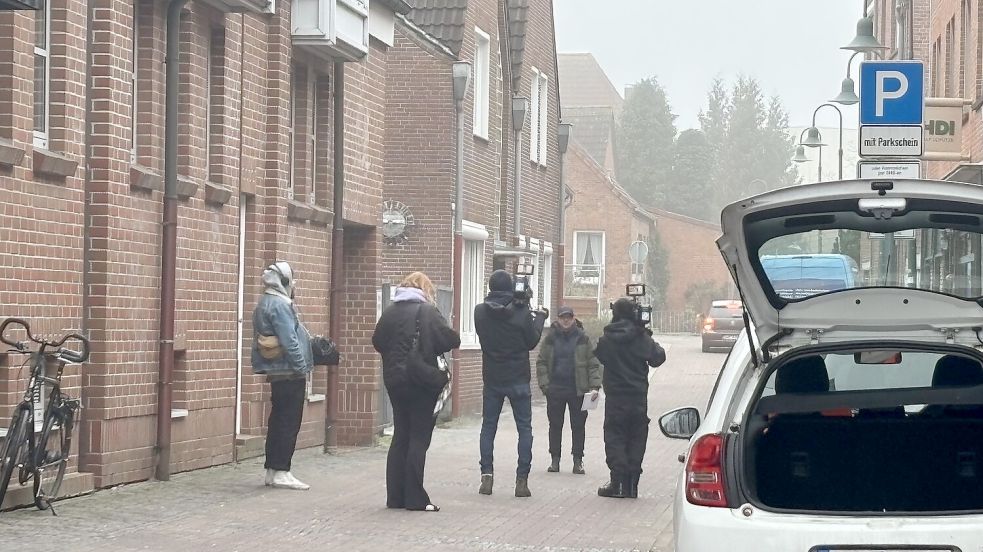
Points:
(414, 412)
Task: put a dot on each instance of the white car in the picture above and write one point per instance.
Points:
(850, 419)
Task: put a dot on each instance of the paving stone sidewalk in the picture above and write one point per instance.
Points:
(228, 508)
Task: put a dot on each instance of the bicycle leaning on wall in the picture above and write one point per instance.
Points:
(40, 453)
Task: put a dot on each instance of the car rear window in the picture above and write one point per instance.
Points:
(721, 312)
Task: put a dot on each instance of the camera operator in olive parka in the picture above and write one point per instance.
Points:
(626, 350)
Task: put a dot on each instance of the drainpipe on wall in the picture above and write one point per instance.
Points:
(168, 253)
(461, 73)
(563, 140)
(336, 297)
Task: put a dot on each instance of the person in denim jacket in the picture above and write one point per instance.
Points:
(286, 361)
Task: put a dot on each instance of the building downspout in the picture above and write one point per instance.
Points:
(458, 260)
(561, 243)
(168, 253)
(336, 297)
(85, 322)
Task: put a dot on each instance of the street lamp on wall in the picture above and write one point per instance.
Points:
(563, 136)
(519, 107)
(865, 41)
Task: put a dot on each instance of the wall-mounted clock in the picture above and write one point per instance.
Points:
(396, 222)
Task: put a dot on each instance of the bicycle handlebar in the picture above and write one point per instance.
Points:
(65, 353)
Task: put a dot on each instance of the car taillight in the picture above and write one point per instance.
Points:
(708, 324)
(705, 473)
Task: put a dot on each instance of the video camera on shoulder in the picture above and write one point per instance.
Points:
(523, 292)
(643, 313)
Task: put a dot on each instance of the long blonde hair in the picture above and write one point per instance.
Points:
(421, 282)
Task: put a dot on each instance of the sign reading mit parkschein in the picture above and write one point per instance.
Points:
(892, 105)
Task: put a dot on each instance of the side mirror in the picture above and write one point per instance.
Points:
(681, 423)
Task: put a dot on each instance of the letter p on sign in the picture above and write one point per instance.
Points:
(892, 93)
(880, 94)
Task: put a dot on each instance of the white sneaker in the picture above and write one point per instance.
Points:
(269, 477)
(286, 480)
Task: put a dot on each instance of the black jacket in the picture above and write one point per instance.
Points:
(627, 350)
(395, 329)
(507, 333)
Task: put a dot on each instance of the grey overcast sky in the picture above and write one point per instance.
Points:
(791, 46)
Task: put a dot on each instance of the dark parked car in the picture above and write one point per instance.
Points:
(722, 325)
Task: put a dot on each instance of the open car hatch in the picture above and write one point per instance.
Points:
(859, 259)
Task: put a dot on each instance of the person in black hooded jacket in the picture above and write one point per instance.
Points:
(626, 350)
(507, 332)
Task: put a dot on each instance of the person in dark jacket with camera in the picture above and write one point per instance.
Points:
(415, 406)
(567, 371)
(626, 350)
(507, 330)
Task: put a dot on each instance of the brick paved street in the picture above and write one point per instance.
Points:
(228, 508)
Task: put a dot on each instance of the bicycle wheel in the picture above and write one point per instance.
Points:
(13, 450)
(51, 456)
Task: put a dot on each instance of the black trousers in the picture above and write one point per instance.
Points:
(413, 423)
(626, 430)
(284, 423)
(555, 408)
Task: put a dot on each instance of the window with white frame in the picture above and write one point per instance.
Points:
(311, 189)
(482, 70)
(134, 82)
(472, 279)
(544, 118)
(589, 250)
(42, 73)
(547, 297)
(534, 116)
(291, 133)
(539, 113)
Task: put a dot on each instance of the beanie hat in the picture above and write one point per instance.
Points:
(623, 309)
(500, 281)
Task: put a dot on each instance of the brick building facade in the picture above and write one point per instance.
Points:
(599, 265)
(81, 232)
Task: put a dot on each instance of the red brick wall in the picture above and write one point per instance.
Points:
(693, 255)
(597, 207)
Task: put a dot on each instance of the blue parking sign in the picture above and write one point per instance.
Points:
(891, 93)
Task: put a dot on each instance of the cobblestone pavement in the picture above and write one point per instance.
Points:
(228, 508)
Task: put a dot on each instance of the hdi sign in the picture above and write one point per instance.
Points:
(892, 104)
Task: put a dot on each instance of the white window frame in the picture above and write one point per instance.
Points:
(472, 281)
(584, 234)
(135, 82)
(547, 297)
(544, 118)
(534, 97)
(482, 82)
(291, 132)
(41, 137)
(312, 95)
(208, 102)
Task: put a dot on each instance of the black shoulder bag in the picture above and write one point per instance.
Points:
(422, 373)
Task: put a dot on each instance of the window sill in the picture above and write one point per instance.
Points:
(482, 139)
(142, 178)
(177, 413)
(300, 212)
(186, 188)
(320, 216)
(54, 164)
(470, 347)
(316, 398)
(217, 194)
(10, 155)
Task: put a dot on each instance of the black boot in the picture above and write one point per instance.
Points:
(487, 481)
(614, 489)
(554, 465)
(522, 487)
(578, 465)
(631, 486)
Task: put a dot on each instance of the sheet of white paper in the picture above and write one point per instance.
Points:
(591, 404)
